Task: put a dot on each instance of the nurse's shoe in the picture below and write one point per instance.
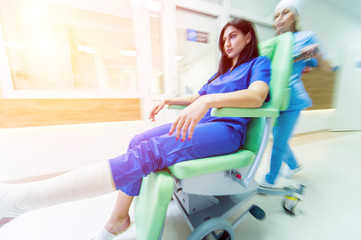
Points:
(266, 184)
(289, 173)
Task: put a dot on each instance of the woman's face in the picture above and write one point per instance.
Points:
(234, 42)
(284, 21)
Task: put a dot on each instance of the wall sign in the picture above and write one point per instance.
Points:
(197, 36)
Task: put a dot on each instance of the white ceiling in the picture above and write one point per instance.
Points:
(351, 6)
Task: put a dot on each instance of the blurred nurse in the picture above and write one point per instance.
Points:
(307, 52)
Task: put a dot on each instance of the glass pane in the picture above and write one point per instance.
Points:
(157, 66)
(52, 47)
(197, 40)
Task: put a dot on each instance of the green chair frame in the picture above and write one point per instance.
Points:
(184, 181)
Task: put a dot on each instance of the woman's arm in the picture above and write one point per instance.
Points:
(253, 97)
(176, 101)
(186, 100)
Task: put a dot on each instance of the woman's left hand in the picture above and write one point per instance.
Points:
(188, 119)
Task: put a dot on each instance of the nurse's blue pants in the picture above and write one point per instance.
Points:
(156, 149)
(281, 151)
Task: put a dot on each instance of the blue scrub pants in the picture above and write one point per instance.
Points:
(281, 151)
(156, 149)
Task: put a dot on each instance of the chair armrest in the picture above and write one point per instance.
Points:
(237, 112)
(177, 107)
(245, 112)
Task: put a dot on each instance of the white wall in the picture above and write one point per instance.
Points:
(195, 79)
(348, 97)
(315, 120)
(35, 151)
(336, 28)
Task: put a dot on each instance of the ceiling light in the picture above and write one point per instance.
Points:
(86, 49)
(15, 45)
(154, 6)
(128, 53)
(178, 58)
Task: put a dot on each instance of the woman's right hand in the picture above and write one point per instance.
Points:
(156, 110)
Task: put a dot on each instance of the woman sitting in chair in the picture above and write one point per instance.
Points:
(241, 81)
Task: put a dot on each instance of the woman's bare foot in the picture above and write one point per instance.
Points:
(117, 226)
(114, 228)
(119, 220)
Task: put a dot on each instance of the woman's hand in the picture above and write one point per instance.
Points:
(188, 118)
(156, 110)
(310, 51)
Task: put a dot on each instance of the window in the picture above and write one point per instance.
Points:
(157, 85)
(197, 59)
(53, 47)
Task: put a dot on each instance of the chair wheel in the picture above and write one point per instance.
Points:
(292, 205)
(225, 236)
(257, 212)
(214, 228)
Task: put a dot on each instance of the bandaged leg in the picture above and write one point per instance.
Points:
(85, 182)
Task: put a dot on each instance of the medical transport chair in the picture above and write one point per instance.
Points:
(210, 190)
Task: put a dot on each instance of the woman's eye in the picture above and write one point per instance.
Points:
(233, 36)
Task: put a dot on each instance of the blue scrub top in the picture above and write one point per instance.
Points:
(299, 98)
(257, 69)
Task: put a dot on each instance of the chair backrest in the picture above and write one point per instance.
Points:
(279, 50)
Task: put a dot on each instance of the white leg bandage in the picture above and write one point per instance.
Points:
(85, 182)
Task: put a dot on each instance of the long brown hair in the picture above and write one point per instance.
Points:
(249, 52)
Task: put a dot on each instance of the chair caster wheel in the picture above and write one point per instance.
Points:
(214, 228)
(292, 205)
(257, 212)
